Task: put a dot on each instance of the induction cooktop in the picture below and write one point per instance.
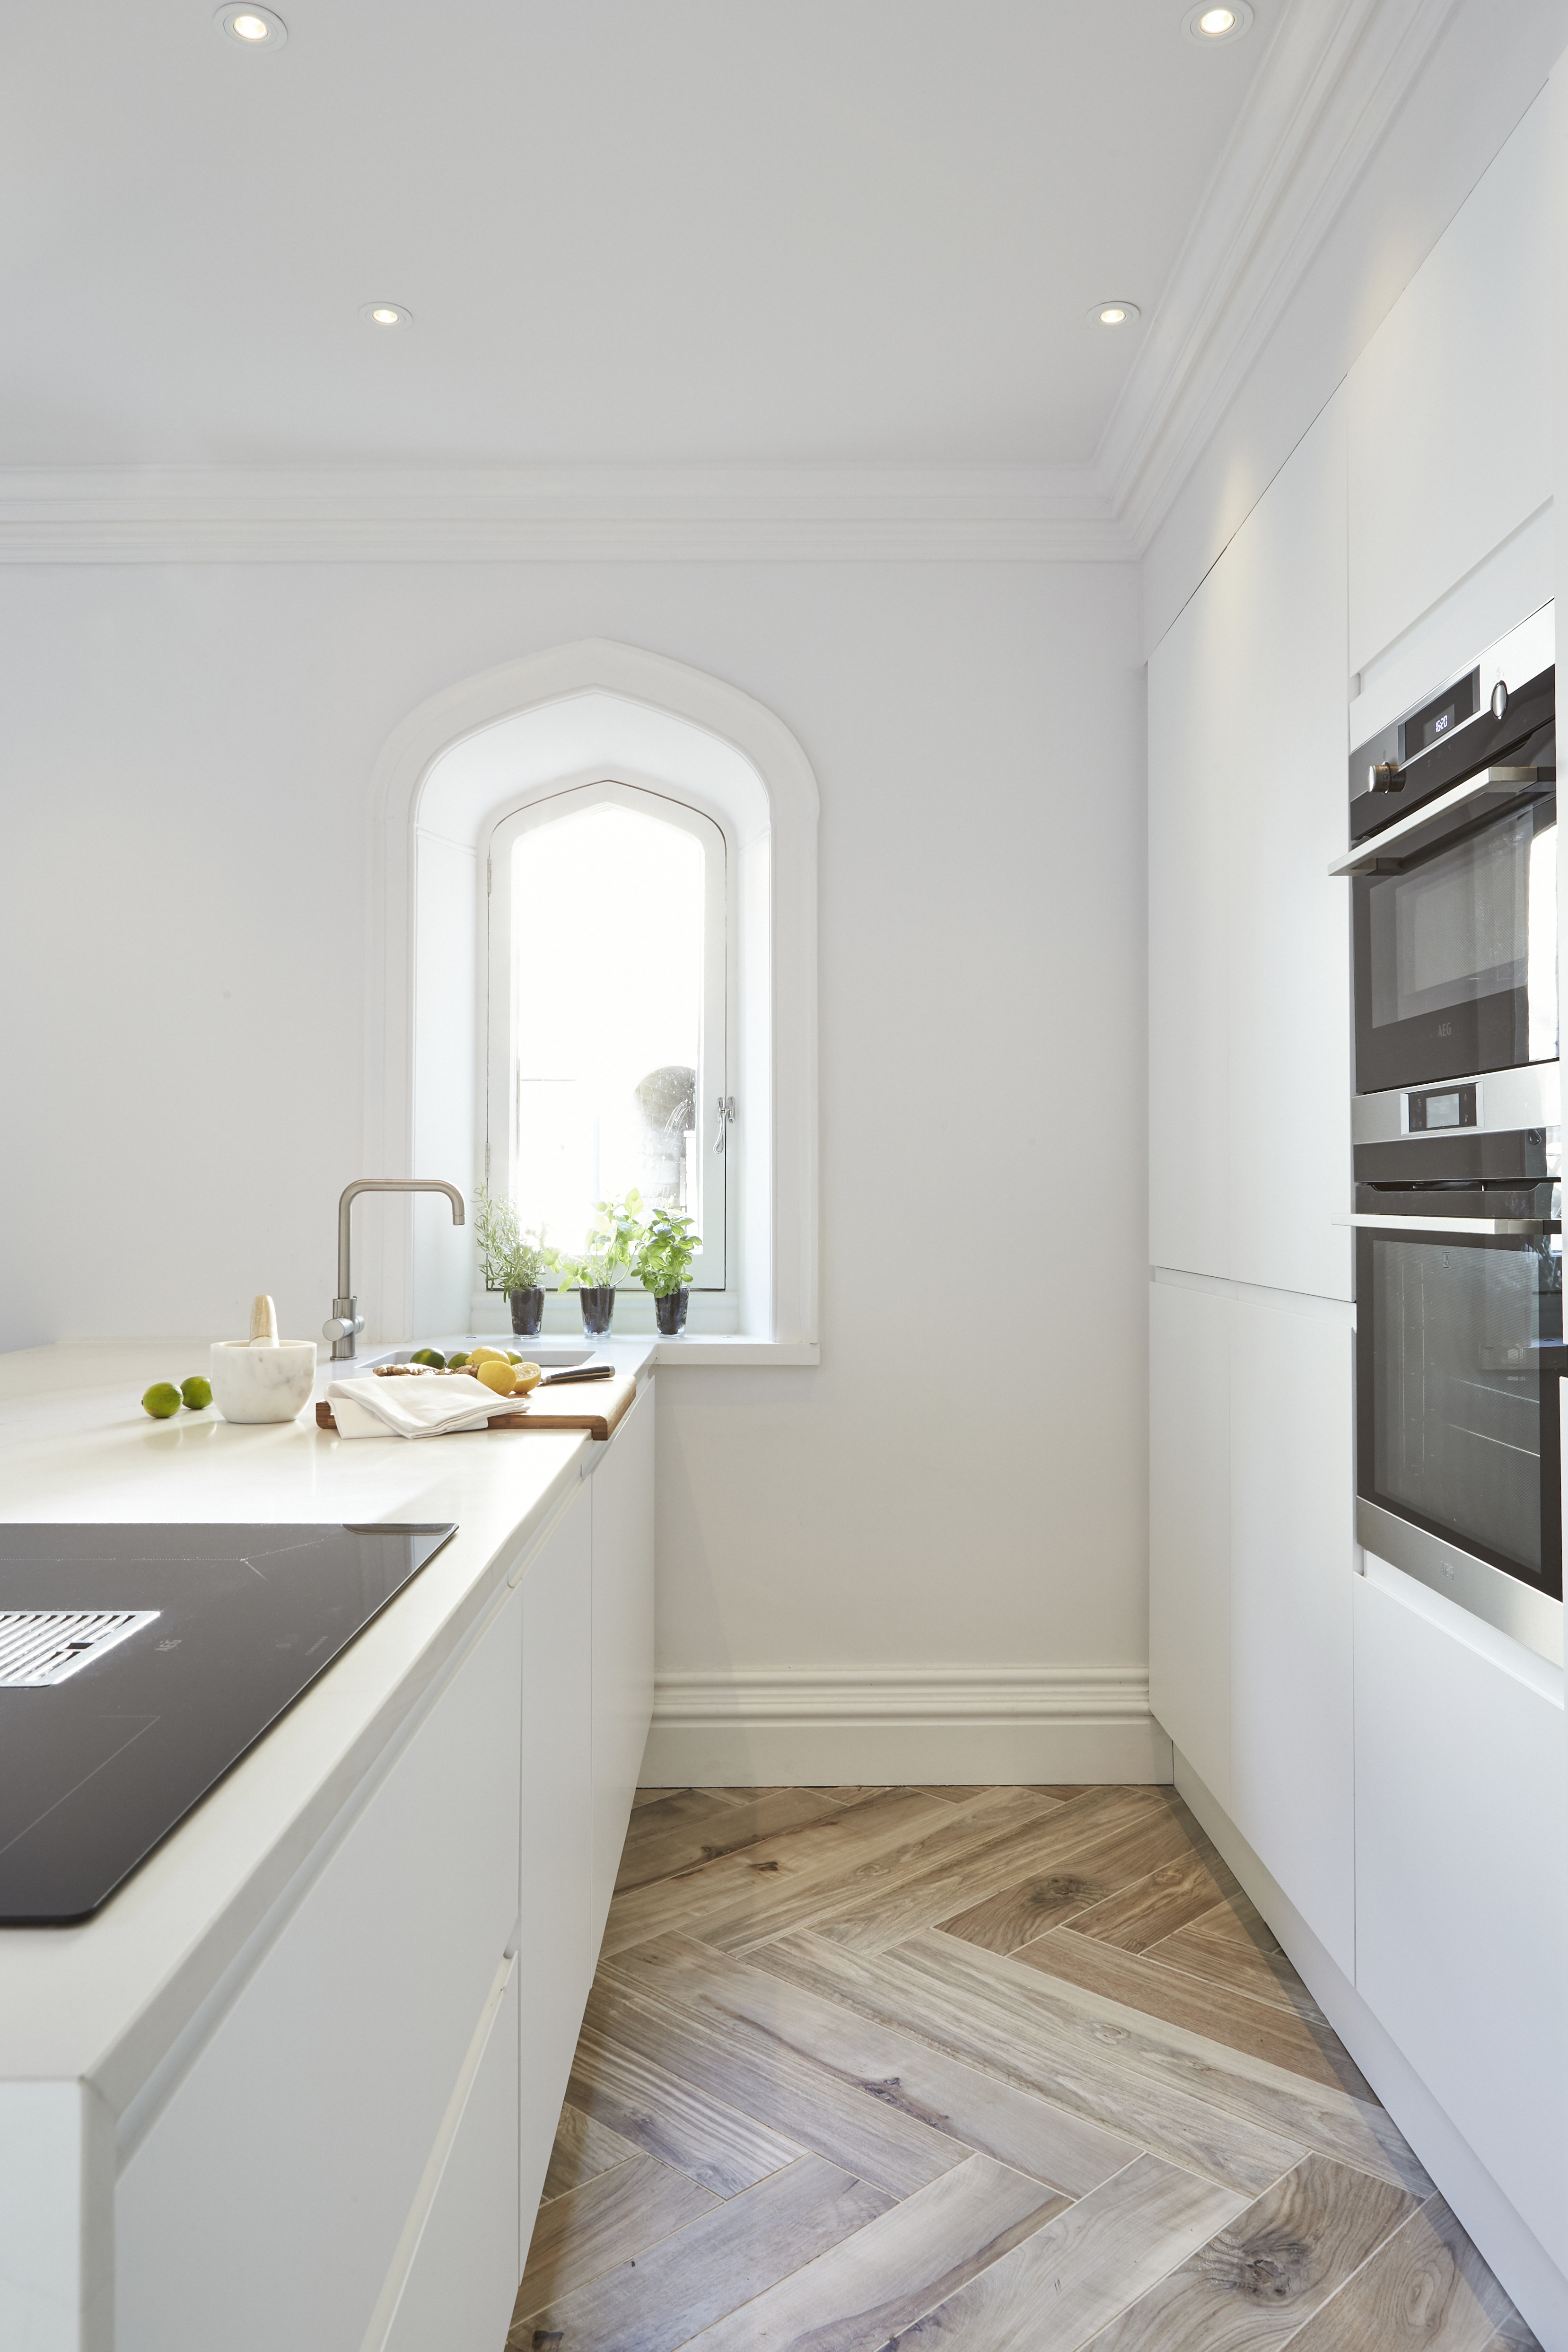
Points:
(138, 1664)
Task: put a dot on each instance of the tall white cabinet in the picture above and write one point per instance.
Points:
(1250, 1527)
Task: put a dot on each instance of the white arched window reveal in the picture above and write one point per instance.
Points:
(499, 745)
(609, 980)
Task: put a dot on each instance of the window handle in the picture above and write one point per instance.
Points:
(725, 1119)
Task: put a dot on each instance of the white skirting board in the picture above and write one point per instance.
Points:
(865, 1725)
(1515, 2252)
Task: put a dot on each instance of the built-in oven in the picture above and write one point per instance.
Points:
(1460, 1344)
(1453, 818)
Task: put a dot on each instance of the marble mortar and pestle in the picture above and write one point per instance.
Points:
(263, 1378)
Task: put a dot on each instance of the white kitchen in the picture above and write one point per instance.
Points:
(780, 1449)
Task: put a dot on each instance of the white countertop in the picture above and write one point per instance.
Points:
(107, 2000)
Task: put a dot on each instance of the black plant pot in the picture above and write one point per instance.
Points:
(598, 1307)
(671, 1310)
(527, 1311)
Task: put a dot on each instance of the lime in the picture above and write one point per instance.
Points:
(196, 1392)
(428, 1356)
(456, 1363)
(513, 1357)
(161, 1400)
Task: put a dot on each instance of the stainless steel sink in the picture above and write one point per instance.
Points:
(550, 1359)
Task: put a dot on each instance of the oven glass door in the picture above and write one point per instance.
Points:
(1458, 1353)
(1456, 958)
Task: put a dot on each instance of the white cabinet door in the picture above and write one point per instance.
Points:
(463, 2280)
(265, 2204)
(622, 1489)
(1289, 924)
(555, 1955)
(1190, 767)
(1189, 1525)
(1462, 1898)
(1292, 1569)
(1450, 450)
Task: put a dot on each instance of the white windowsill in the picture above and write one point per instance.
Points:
(712, 1351)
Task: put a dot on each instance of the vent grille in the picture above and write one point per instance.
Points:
(40, 1646)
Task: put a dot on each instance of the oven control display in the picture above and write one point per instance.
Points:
(1453, 1106)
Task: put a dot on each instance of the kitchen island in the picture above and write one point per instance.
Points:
(295, 2082)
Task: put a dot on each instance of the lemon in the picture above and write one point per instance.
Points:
(196, 1392)
(161, 1400)
(525, 1377)
(496, 1373)
(428, 1356)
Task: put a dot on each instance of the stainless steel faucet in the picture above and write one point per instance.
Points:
(346, 1322)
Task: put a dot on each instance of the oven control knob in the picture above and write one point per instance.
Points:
(1498, 699)
(1384, 777)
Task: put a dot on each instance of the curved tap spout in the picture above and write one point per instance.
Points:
(347, 1323)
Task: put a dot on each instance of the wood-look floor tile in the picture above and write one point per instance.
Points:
(1253, 2090)
(802, 2102)
(1232, 1946)
(854, 2298)
(680, 1845)
(1231, 2018)
(1172, 1896)
(1066, 2280)
(712, 2266)
(1427, 2290)
(1013, 1888)
(823, 1850)
(1254, 2284)
(1089, 2076)
(666, 2116)
(899, 2071)
(605, 2223)
(862, 1871)
(584, 2148)
(651, 1796)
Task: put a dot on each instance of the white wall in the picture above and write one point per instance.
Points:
(187, 759)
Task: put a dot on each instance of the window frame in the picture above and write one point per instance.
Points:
(551, 803)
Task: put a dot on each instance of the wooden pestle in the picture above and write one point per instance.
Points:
(263, 1322)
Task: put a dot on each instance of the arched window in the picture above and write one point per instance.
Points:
(600, 729)
(607, 1024)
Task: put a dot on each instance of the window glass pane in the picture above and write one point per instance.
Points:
(607, 975)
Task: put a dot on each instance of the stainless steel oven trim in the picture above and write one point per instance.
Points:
(1529, 1096)
(1532, 1618)
(1461, 1228)
(1503, 788)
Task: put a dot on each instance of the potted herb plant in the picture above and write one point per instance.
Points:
(663, 1265)
(513, 1261)
(613, 1240)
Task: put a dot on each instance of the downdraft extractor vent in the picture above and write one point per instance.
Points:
(39, 1646)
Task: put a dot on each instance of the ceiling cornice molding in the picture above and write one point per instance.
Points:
(1333, 79)
(569, 514)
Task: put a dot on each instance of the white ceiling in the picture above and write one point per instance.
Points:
(631, 231)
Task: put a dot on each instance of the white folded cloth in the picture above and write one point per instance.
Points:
(414, 1407)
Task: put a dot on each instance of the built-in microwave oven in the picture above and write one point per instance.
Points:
(1453, 816)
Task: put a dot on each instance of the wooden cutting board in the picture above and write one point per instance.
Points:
(596, 1406)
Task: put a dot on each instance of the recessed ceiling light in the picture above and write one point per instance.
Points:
(385, 314)
(1113, 314)
(1211, 25)
(253, 29)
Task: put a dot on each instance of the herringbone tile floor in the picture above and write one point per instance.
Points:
(971, 2070)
